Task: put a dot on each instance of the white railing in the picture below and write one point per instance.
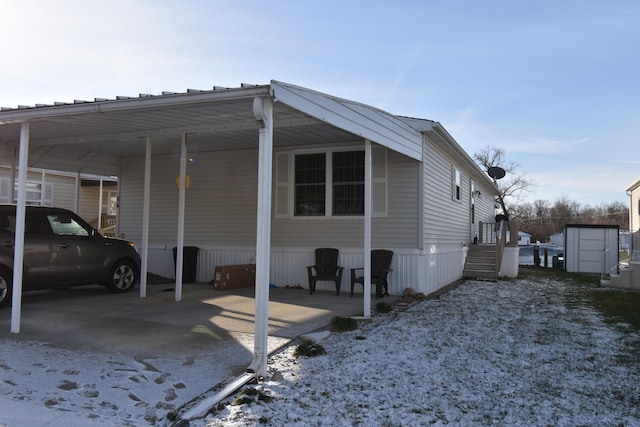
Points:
(609, 246)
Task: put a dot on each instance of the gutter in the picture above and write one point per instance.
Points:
(202, 409)
(126, 103)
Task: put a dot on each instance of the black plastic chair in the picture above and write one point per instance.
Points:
(325, 269)
(380, 268)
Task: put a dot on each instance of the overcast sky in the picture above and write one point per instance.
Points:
(555, 83)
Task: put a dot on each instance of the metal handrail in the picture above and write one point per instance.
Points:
(604, 259)
(501, 238)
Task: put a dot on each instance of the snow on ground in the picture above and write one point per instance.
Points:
(116, 389)
(523, 352)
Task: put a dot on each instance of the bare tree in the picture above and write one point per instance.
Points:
(514, 186)
(564, 211)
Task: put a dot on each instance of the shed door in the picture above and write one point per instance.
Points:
(591, 250)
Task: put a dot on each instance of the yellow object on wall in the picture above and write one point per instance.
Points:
(187, 180)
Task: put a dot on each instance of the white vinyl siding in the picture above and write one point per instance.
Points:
(634, 223)
(446, 219)
(220, 203)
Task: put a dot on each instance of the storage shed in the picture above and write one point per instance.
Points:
(591, 248)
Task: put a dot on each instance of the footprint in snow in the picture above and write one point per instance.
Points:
(162, 378)
(68, 385)
(147, 366)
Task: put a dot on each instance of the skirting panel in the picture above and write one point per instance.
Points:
(424, 271)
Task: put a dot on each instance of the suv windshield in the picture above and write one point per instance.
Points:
(65, 225)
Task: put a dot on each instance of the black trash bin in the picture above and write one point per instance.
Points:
(189, 263)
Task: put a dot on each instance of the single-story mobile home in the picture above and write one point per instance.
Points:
(633, 191)
(266, 174)
(427, 193)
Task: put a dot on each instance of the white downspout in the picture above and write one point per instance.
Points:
(43, 178)
(76, 196)
(100, 206)
(145, 220)
(367, 227)
(263, 111)
(181, 202)
(18, 257)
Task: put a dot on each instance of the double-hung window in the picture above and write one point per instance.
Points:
(348, 183)
(328, 183)
(310, 183)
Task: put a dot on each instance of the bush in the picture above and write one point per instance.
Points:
(309, 348)
(343, 324)
(383, 307)
(250, 395)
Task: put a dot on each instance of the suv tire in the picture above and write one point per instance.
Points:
(123, 277)
(6, 277)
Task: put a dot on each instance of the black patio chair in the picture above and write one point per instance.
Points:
(326, 268)
(380, 268)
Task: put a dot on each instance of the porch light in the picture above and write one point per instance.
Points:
(187, 181)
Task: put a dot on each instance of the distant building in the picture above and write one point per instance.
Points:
(633, 191)
(524, 239)
(557, 239)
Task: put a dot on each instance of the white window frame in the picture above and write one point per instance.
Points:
(284, 183)
(456, 184)
(44, 192)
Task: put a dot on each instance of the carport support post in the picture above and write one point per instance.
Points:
(145, 219)
(181, 203)
(18, 257)
(367, 228)
(263, 111)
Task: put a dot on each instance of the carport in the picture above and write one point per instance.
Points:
(92, 136)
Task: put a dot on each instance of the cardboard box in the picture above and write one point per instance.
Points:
(234, 276)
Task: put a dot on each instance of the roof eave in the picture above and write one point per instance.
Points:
(149, 101)
(633, 186)
(441, 136)
(363, 120)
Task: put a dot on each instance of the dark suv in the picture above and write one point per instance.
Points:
(61, 250)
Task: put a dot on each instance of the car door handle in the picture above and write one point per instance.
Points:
(63, 245)
(7, 244)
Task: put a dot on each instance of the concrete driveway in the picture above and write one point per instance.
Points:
(84, 351)
(90, 318)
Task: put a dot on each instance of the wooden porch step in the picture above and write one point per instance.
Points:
(481, 262)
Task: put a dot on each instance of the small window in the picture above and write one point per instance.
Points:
(457, 190)
(36, 193)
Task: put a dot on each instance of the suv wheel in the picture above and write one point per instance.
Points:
(123, 277)
(6, 278)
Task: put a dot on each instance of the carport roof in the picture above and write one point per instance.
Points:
(90, 136)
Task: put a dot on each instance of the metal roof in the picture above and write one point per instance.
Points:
(90, 136)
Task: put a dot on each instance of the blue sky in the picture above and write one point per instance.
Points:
(554, 83)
